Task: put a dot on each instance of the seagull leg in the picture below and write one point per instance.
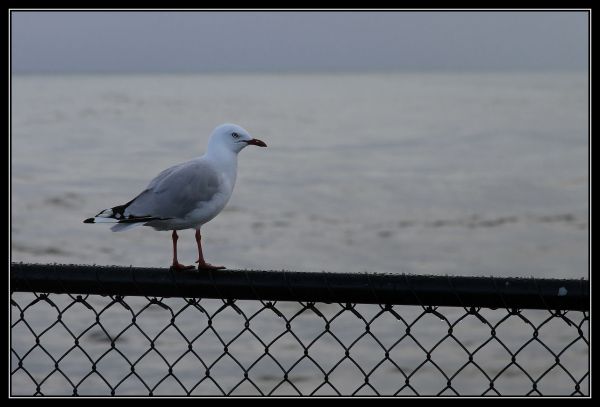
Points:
(176, 265)
(202, 265)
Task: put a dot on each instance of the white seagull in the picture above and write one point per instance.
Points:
(186, 195)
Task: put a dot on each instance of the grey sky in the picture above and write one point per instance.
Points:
(56, 42)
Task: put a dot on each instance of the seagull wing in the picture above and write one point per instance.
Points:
(176, 191)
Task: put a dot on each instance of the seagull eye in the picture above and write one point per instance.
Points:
(235, 135)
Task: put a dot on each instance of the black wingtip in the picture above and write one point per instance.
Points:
(89, 220)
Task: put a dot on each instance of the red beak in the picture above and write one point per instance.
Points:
(256, 142)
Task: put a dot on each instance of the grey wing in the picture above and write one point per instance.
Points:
(177, 191)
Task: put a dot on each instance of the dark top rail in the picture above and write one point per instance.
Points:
(490, 292)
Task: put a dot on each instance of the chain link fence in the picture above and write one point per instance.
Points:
(79, 330)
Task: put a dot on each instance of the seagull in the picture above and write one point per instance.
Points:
(186, 195)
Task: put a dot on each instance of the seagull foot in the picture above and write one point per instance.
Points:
(202, 265)
(181, 267)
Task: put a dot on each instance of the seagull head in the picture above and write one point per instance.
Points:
(232, 137)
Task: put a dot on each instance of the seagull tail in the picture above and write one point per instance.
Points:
(123, 224)
(116, 215)
(120, 227)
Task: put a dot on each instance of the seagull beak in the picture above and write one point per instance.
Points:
(256, 142)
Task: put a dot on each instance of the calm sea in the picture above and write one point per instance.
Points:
(465, 174)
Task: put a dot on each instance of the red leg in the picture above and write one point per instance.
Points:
(176, 265)
(203, 265)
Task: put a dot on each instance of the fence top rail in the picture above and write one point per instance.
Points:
(392, 289)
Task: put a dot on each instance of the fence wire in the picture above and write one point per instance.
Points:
(70, 344)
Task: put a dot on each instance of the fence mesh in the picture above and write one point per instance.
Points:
(67, 344)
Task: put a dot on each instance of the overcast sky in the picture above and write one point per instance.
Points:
(65, 42)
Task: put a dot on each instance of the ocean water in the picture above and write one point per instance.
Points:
(472, 174)
(462, 174)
